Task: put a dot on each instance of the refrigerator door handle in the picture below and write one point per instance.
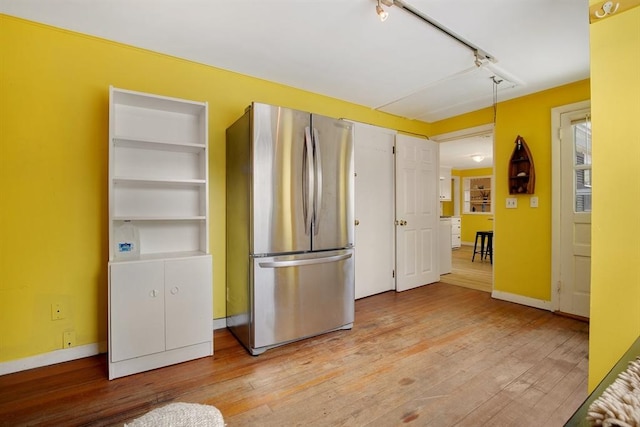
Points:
(308, 184)
(299, 262)
(317, 204)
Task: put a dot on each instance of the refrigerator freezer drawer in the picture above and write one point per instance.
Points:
(299, 296)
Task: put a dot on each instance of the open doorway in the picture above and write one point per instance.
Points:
(468, 155)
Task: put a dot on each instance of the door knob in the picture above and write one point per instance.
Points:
(403, 222)
(357, 222)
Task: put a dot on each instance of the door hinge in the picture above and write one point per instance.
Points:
(393, 274)
(559, 285)
(393, 150)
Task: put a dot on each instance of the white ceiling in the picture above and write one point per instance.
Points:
(339, 48)
(457, 153)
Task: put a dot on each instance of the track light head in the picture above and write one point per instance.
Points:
(382, 14)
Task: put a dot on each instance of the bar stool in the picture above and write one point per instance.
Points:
(489, 250)
(483, 236)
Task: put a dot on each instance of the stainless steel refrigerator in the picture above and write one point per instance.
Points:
(290, 226)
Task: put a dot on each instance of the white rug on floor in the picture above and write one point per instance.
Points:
(619, 405)
(180, 415)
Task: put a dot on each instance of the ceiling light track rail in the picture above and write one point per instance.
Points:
(480, 54)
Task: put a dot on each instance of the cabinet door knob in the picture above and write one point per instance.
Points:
(357, 222)
(153, 293)
(175, 290)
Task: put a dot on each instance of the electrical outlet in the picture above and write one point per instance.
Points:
(512, 203)
(533, 201)
(69, 339)
(57, 311)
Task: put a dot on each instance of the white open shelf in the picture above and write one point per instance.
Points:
(158, 172)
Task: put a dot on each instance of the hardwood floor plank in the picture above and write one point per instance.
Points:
(469, 274)
(437, 355)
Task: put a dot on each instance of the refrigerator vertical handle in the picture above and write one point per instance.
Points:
(308, 185)
(317, 203)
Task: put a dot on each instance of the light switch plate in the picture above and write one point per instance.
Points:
(533, 201)
(512, 203)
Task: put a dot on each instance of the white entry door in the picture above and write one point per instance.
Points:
(575, 213)
(374, 204)
(417, 213)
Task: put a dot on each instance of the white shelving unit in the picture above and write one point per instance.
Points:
(160, 295)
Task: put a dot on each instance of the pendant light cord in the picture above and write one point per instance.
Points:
(496, 82)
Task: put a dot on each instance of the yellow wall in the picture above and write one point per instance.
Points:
(615, 108)
(471, 223)
(53, 169)
(522, 240)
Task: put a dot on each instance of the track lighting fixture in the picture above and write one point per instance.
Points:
(481, 56)
(477, 61)
(383, 14)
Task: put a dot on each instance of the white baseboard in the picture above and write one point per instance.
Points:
(219, 323)
(51, 358)
(69, 354)
(519, 299)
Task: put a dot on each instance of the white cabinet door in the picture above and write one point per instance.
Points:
(136, 309)
(188, 301)
(445, 246)
(445, 184)
(456, 231)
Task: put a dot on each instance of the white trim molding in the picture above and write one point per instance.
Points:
(69, 354)
(520, 299)
(52, 358)
(220, 323)
(464, 133)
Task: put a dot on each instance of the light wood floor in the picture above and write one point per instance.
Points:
(439, 355)
(473, 275)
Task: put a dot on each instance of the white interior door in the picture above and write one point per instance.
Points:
(575, 213)
(374, 200)
(417, 212)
